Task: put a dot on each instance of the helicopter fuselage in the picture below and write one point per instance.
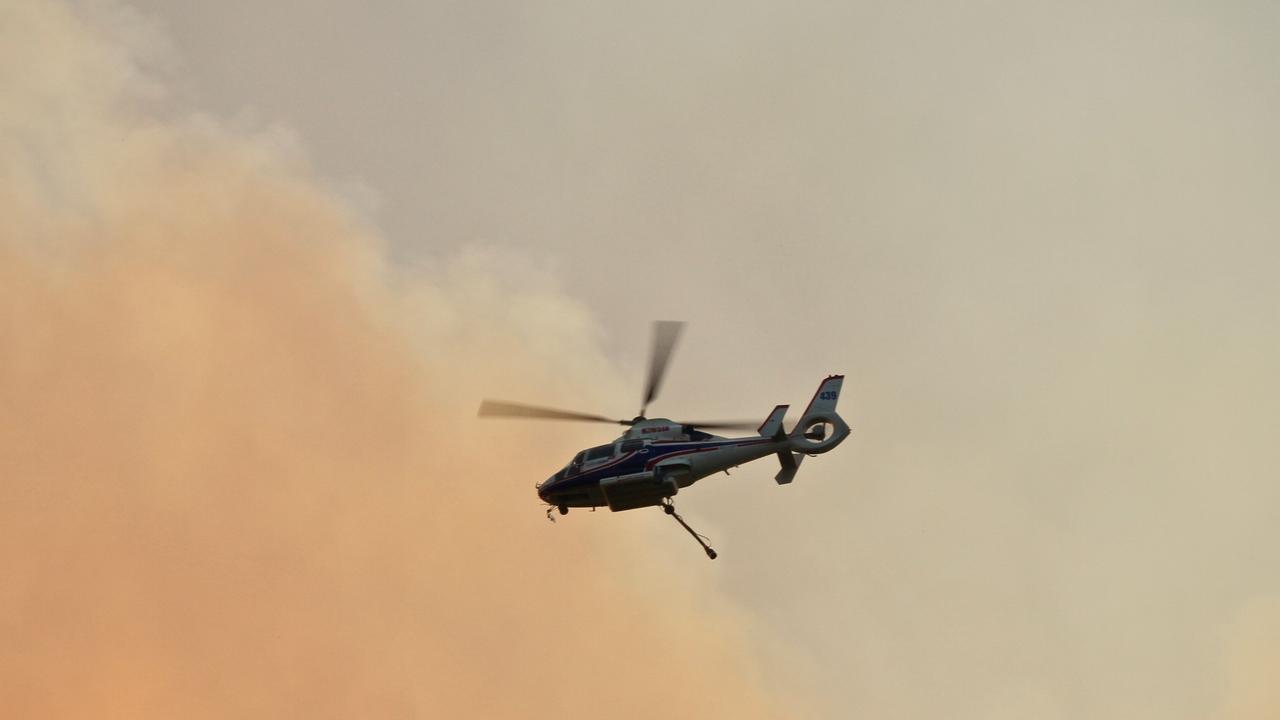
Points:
(656, 457)
(632, 473)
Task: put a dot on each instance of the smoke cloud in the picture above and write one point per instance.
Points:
(240, 474)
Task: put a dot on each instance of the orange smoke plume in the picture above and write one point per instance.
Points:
(239, 471)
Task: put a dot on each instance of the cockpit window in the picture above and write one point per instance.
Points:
(597, 453)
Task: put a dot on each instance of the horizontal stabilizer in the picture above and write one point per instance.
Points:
(772, 425)
(790, 464)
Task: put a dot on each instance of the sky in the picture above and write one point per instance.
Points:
(260, 264)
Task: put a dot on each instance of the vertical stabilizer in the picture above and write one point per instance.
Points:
(825, 399)
(821, 428)
(790, 464)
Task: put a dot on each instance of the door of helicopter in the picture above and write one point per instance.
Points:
(575, 465)
(598, 455)
(626, 446)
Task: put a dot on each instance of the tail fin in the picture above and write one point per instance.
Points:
(825, 399)
(772, 425)
(810, 435)
(790, 464)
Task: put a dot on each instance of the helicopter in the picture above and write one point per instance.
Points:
(655, 458)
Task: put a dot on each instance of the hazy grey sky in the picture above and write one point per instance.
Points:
(1039, 238)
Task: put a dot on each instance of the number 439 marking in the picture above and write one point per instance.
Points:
(828, 395)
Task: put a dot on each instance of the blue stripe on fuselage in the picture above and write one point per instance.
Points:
(636, 462)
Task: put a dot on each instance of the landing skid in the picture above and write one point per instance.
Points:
(669, 508)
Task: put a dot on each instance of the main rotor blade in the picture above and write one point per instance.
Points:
(665, 335)
(498, 408)
(726, 425)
